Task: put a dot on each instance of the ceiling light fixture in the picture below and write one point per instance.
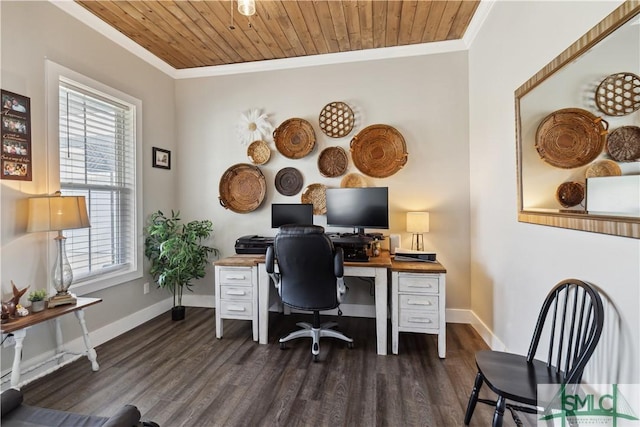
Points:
(247, 7)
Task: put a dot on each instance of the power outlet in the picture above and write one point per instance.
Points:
(8, 341)
(145, 288)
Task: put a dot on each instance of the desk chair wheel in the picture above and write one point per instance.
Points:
(283, 346)
(316, 358)
(350, 345)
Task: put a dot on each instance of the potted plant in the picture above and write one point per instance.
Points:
(37, 299)
(177, 254)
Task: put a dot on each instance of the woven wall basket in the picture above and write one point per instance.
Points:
(294, 138)
(259, 152)
(623, 144)
(242, 188)
(570, 194)
(336, 119)
(316, 194)
(570, 138)
(288, 181)
(332, 162)
(379, 151)
(619, 94)
(603, 167)
(353, 180)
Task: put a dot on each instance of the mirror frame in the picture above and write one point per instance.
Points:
(614, 225)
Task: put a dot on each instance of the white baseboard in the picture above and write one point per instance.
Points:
(486, 333)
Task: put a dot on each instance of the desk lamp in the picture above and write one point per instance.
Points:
(57, 213)
(418, 224)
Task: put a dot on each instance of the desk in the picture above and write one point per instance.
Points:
(245, 265)
(19, 326)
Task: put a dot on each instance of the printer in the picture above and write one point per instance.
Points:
(253, 244)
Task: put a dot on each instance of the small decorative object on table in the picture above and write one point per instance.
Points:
(9, 307)
(37, 299)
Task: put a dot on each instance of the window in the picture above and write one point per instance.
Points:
(97, 152)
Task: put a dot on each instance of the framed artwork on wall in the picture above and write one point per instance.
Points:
(16, 137)
(161, 158)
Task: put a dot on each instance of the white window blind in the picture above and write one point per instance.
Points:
(97, 160)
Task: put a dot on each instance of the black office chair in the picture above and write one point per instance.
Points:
(310, 277)
(572, 318)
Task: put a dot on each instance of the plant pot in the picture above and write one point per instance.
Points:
(37, 306)
(178, 312)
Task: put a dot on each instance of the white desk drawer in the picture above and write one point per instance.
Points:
(236, 308)
(237, 276)
(419, 302)
(417, 283)
(418, 320)
(232, 292)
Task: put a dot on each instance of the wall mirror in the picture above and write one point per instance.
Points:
(578, 132)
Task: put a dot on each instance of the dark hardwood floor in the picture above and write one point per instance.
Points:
(179, 374)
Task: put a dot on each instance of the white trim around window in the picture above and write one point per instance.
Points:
(55, 75)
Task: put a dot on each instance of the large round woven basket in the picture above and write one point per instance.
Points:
(570, 138)
(623, 144)
(336, 119)
(288, 181)
(259, 152)
(619, 94)
(294, 138)
(332, 162)
(242, 188)
(316, 194)
(379, 151)
(603, 167)
(570, 194)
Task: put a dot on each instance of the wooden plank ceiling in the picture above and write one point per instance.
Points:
(190, 34)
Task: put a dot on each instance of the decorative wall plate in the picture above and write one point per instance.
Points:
(379, 151)
(332, 162)
(570, 138)
(294, 138)
(316, 194)
(242, 188)
(288, 181)
(619, 94)
(623, 144)
(259, 152)
(336, 119)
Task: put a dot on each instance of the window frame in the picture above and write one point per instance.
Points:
(55, 74)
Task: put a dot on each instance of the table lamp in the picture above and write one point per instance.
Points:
(418, 223)
(57, 213)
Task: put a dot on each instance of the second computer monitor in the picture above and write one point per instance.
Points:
(291, 213)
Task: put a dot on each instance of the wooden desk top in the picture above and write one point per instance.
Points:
(243, 260)
(417, 267)
(46, 314)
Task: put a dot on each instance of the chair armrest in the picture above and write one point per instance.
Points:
(269, 261)
(11, 399)
(338, 262)
(127, 416)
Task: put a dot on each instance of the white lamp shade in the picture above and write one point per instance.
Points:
(56, 213)
(247, 7)
(418, 222)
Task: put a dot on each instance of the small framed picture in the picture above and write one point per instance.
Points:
(161, 158)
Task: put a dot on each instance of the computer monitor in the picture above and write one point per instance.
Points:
(291, 213)
(358, 208)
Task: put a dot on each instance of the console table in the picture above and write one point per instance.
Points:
(19, 326)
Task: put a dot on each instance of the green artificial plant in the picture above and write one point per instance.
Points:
(176, 252)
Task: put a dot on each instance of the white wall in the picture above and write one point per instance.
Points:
(32, 32)
(425, 98)
(513, 265)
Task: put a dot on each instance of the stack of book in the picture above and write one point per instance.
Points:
(413, 255)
